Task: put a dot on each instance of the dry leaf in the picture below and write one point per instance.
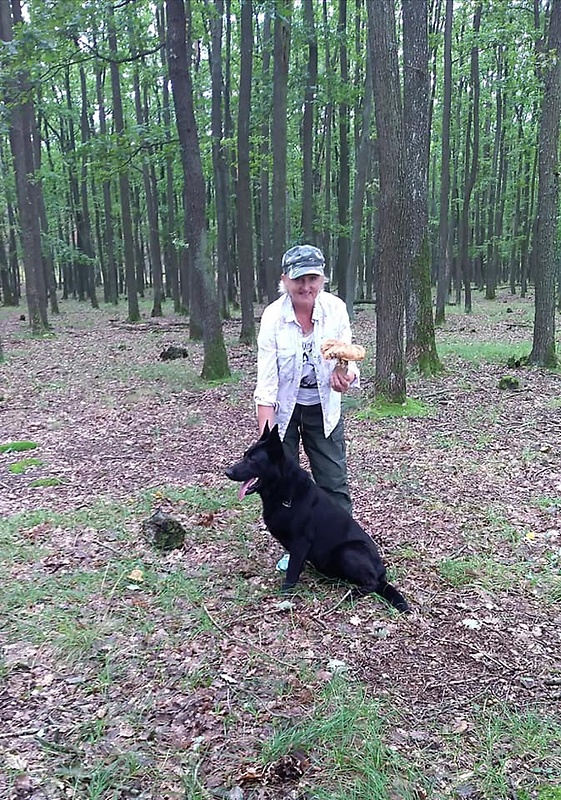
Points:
(472, 624)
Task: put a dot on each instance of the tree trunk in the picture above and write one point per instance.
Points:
(124, 186)
(308, 125)
(471, 156)
(169, 232)
(343, 193)
(327, 123)
(215, 364)
(89, 266)
(245, 237)
(110, 291)
(6, 289)
(281, 53)
(27, 187)
(546, 239)
(150, 193)
(218, 159)
(390, 380)
(420, 342)
(362, 166)
(443, 281)
(269, 269)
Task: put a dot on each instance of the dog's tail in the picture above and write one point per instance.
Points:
(394, 598)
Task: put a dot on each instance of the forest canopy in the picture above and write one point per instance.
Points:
(182, 146)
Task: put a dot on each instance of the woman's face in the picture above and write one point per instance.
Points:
(303, 291)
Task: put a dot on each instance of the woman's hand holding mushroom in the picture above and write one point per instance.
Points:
(342, 377)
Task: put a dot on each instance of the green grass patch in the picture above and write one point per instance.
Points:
(45, 482)
(380, 409)
(345, 733)
(548, 503)
(19, 467)
(17, 447)
(482, 571)
(495, 576)
(503, 737)
(478, 352)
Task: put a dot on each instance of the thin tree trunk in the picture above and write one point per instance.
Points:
(344, 183)
(89, 266)
(269, 269)
(244, 215)
(471, 158)
(281, 55)
(362, 166)
(443, 283)
(218, 160)
(308, 124)
(124, 185)
(110, 289)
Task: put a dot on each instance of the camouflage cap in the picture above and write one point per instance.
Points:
(304, 259)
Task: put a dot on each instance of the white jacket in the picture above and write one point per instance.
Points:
(279, 357)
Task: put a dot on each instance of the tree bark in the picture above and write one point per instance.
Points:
(420, 347)
(27, 187)
(344, 182)
(89, 266)
(124, 185)
(443, 280)
(471, 158)
(546, 239)
(362, 166)
(243, 194)
(110, 290)
(269, 271)
(218, 159)
(281, 55)
(390, 382)
(308, 125)
(215, 364)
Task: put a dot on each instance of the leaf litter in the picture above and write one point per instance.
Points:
(131, 669)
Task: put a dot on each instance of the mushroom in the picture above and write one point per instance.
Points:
(342, 351)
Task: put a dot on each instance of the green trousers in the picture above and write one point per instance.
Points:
(327, 457)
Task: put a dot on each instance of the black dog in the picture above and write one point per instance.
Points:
(304, 519)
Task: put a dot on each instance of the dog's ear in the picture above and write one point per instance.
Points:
(266, 431)
(274, 444)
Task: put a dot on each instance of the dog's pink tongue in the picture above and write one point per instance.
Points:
(244, 487)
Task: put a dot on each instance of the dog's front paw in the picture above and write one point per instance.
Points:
(287, 586)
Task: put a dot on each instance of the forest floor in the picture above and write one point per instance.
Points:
(127, 673)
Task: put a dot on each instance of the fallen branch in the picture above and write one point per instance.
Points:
(19, 734)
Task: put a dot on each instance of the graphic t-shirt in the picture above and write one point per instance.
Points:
(308, 394)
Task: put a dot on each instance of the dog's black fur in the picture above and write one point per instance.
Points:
(308, 523)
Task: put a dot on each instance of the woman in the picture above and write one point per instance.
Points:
(296, 387)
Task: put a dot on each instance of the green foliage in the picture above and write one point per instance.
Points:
(17, 447)
(346, 734)
(505, 735)
(45, 482)
(19, 467)
(381, 409)
(478, 352)
(508, 382)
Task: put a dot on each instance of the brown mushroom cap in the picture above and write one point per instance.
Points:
(342, 351)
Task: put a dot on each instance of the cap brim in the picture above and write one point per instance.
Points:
(299, 271)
